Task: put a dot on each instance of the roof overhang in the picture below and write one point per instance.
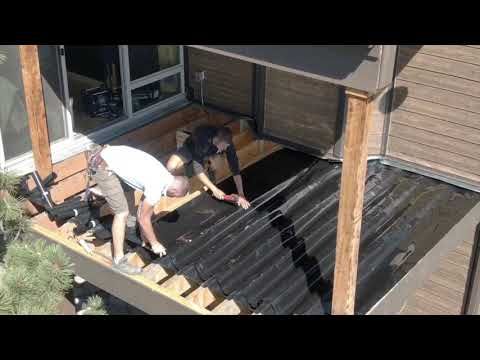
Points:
(363, 67)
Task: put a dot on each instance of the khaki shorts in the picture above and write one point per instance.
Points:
(119, 196)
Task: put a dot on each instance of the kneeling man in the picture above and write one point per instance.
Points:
(205, 142)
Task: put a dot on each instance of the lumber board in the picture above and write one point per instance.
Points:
(69, 187)
(202, 296)
(227, 307)
(35, 106)
(351, 204)
(155, 272)
(138, 291)
(139, 257)
(178, 284)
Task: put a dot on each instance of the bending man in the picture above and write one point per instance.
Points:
(114, 166)
(207, 141)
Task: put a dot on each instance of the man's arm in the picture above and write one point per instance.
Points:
(243, 202)
(239, 184)
(145, 212)
(237, 178)
(219, 194)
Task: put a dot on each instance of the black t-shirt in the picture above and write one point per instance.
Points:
(200, 144)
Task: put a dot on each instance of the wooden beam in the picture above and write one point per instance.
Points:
(351, 203)
(35, 105)
(135, 290)
(228, 307)
(203, 296)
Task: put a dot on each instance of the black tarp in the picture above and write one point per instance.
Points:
(278, 257)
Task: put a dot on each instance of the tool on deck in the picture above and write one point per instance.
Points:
(78, 211)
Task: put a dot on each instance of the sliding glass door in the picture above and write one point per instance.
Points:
(92, 93)
(15, 143)
(109, 84)
(155, 74)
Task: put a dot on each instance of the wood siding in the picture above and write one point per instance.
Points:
(298, 109)
(435, 120)
(444, 290)
(378, 110)
(229, 82)
(301, 110)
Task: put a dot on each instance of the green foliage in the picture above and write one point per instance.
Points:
(94, 306)
(34, 276)
(35, 279)
(9, 183)
(13, 222)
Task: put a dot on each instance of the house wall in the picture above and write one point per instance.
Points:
(301, 110)
(378, 113)
(298, 109)
(229, 82)
(435, 119)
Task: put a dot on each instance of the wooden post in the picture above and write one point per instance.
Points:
(35, 103)
(351, 203)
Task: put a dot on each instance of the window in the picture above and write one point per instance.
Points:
(147, 95)
(13, 116)
(147, 60)
(94, 87)
(92, 93)
(156, 74)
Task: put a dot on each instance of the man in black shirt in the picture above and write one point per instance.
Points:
(207, 141)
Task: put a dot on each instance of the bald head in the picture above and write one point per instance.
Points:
(179, 187)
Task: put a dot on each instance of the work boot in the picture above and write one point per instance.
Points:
(124, 267)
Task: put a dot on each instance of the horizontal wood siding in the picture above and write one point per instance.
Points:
(378, 110)
(301, 110)
(229, 82)
(435, 120)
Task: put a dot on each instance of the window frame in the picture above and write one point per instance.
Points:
(74, 143)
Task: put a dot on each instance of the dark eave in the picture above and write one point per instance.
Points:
(362, 67)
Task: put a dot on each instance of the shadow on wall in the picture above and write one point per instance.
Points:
(398, 94)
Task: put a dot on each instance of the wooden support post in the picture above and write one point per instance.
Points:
(35, 104)
(351, 203)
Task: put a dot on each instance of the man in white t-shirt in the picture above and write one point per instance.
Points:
(111, 167)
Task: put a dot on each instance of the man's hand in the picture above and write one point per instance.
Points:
(159, 249)
(218, 194)
(243, 202)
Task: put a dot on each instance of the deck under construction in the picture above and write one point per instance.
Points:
(278, 257)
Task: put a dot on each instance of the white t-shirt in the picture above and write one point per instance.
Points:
(139, 170)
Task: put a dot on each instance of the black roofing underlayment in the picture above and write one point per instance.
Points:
(278, 257)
